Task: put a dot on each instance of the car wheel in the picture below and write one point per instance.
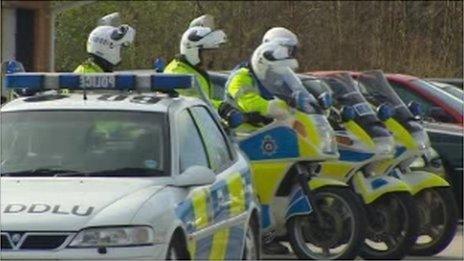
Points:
(177, 249)
(251, 247)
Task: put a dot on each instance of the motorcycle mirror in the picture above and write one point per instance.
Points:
(325, 100)
(415, 109)
(385, 111)
(347, 113)
(159, 65)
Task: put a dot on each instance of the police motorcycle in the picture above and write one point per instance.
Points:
(364, 142)
(438, 214)
(321, 217)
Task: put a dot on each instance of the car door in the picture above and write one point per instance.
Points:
(195, 211)
(228, 193)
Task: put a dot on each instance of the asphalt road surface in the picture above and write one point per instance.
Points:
(453, 252)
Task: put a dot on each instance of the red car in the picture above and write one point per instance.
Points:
(437, 105)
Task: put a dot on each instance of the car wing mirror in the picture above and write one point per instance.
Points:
(195, 176)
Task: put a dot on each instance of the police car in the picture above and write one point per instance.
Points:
(119, 167)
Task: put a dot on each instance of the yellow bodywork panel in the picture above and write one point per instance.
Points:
(419, 180)
(200, 208)
(236, 188)
(364, 187)
(317, 182)
(401, 134)
(359, 132)
(335, 169)
(306, 148)
(267, 177)
(219, 247)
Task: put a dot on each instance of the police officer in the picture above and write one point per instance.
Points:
(198, 38)
(104, 46)
(252, 89)
(284, 37)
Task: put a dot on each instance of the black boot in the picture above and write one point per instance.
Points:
(275, 248)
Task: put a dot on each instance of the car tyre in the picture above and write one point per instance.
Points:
(251, 248)
(177, 249)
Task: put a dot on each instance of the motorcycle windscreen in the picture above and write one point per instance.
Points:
(286, 85)
(376, 89)
(345, 93)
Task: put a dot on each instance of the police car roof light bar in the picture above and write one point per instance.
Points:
(161, 82)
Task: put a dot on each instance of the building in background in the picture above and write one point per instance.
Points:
(28, 32)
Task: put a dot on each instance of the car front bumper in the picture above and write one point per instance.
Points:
(157, 251)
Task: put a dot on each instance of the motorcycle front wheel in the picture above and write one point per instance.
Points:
(340, 235)
(438, 218)
(392, 227)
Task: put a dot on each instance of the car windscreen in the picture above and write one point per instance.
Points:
(445, 97)
(83, 143)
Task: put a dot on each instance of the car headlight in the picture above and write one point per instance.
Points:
(422, 139)
(384, 145)
(114, 236)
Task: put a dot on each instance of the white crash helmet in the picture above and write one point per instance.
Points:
(273, 58)
(204, 21)
(199, 38)
(284, 37)
(106, 41)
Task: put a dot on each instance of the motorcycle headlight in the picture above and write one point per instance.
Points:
(328, 142)
(418, 163)
(422, 139)
(114, 236)
(384, 145)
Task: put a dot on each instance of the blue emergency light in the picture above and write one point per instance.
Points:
(99, 81)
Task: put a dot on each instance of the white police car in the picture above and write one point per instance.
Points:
(100, 174)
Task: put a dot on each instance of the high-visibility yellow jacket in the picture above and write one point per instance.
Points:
(88, 67)
(181, 66)
(245, 91)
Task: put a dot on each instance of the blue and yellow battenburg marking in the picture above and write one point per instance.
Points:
(210, 205)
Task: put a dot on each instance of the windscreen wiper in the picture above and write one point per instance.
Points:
(125, 172)
(47, 172)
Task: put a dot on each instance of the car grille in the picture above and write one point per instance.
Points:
(5, 243)
(33, 240)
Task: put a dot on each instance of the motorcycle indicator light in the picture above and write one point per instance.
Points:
(300, 128)
(344, 140)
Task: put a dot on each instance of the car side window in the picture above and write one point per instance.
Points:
(191, 149)
(218, 149)
(407, 96)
